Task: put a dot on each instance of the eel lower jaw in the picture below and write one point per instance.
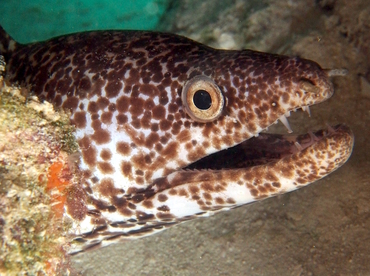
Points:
(267, 148)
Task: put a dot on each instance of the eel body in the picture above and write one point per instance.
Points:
(169, 129)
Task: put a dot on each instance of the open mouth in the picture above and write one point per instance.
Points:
(267, 148)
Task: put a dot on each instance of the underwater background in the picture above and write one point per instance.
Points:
(30, 21)
(322, 229)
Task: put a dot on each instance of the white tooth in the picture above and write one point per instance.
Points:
(287, 114)
(307, 109)
(299, 147)
(313, 136)
(285, 122)
(330, 128)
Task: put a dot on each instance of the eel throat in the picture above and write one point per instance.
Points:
(170, 129)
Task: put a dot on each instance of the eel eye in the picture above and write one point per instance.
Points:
(202, 99)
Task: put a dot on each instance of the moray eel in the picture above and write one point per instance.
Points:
(170, 129)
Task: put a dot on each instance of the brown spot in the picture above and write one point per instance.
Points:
(136, 198)
(271, 177)
(170, 151)
(139, 180)
(106, 154)
(148, 204)
(165, 216)
(121, 119)
(140, 160)
(189, 146)
(176, 127)
(269, 187)
(106, 117)
(98, 221)
(141, 216)
(248, 176)
(102, 206)
(163, 140)
(71, 103)
(184, 136)
(158, 147)
(205, 144)
(219, 200)
(93, 107)
(145, 121)
(126, 169)
(207, 196)
(254, 192)
(136, 106)
(196, 154)
(112, 107)
(163, 208)
(285, 97)
(286, 170)
(200, 202)
(79, 119)
(159, 112)
(113, 88)
(207, 187)
(119, 202)
(136, 123)
(148, 159)
(123, 148)
(151, 140)
(125, 211)
(139, 172)
(106, 188)
(194, 189)
(172, 108)
(154, 127)
(276, 184)
(262, 189)
(163, 98)
(89, 152)
(122, 104)
(162, 198)
(172, 192)
(149, 104)
(165, 125)
(183, 192)
(230, 201)
(105, 167)
(102, 102)
(101, 136)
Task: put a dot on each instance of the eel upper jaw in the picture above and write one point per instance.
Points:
(263, 148)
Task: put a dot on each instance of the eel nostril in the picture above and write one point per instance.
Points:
(308, 86)
(307, 80)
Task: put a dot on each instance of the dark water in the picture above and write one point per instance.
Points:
(29, 21)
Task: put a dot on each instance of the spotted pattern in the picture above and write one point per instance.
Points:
(138, 145)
